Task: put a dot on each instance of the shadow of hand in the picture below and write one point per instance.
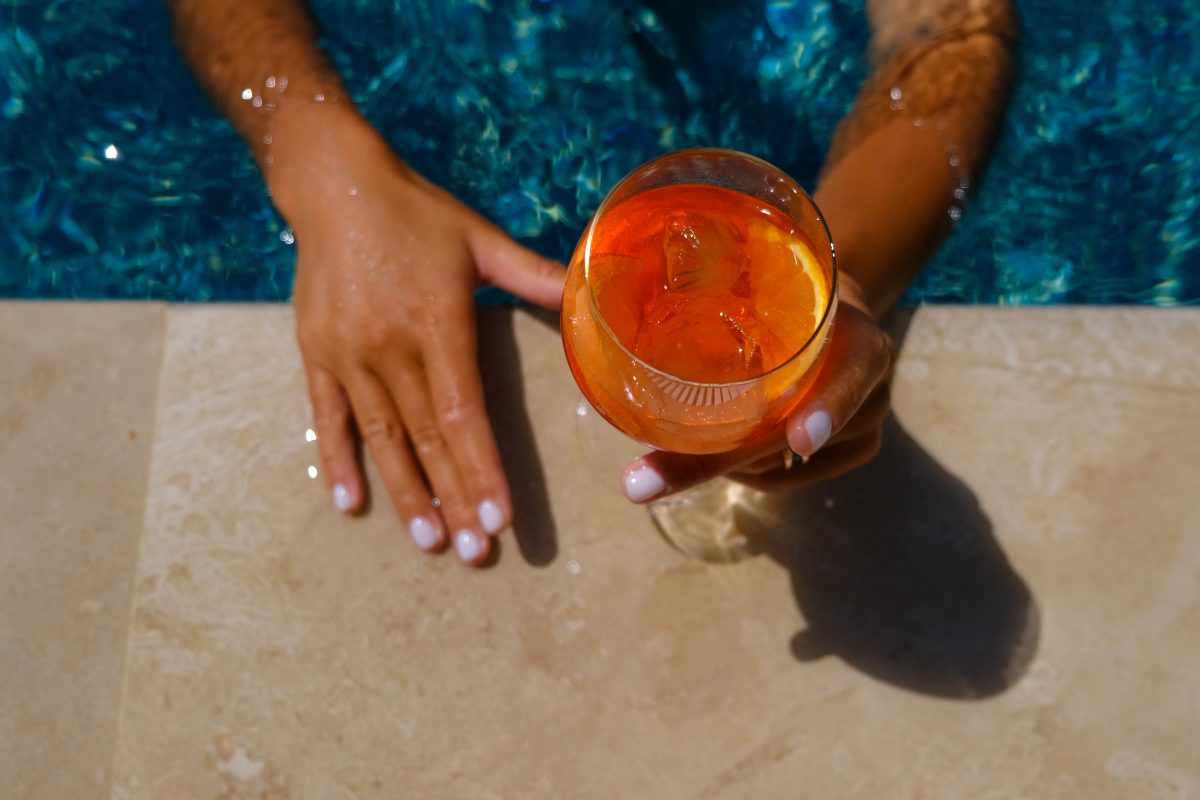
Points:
(500, 365)
(896, 570)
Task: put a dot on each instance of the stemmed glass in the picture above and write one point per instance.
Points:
(696, 311)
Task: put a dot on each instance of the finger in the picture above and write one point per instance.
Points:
(456, 389)
(862, 369)
(869, 418)
(859, 358)
(335, 440)
(504, 263)
(380, 427)
(439, 463)
(829, 462)
(660, 474)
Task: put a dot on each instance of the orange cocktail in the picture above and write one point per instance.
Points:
(699, 300)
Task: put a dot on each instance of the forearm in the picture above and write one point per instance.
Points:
(919, 133)
(255, 58)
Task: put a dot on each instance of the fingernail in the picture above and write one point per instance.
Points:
(643, 483)
(424, 533)
(818, 426)
(490, 516)
(468, 545)
(342, 500)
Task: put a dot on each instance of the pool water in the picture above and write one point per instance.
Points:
(118, 180)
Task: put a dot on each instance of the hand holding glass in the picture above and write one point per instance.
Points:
(699, 302)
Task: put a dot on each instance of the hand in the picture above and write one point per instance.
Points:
(386, 270)
(836, 428)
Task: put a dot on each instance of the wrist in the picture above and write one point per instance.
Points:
(886, 202)
(307, 144)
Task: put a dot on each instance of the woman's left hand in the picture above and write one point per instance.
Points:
(837, 427)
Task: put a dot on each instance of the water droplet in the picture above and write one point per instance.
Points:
(312, 471)
(271, 82)
(955, 214)
(352, 191)
(574, 567)
(111, 152)
(247, 93)
(256, 102)
(955, 161)
(287, 237)
(436, 502)
(268, 139)
(309, 435)
(896, 94)
(319, 97)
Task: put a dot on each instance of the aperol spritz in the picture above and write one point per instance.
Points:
(699, 300)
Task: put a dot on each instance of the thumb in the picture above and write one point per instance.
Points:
(509, 266)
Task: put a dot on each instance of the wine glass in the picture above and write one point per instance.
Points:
(696, 312)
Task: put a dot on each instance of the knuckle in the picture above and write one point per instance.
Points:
(885, 350)
(379, 429)
(876, 407)
(367, 336)
(332, 421)
(873, 445)
(884, 402)
(426, 441)
(453, 414)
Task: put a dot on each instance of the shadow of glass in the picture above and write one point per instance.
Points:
(895, 568)
(504, 391)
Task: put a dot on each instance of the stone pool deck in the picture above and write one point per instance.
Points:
(1003, 605)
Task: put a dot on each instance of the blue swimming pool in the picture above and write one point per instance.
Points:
(119, 181)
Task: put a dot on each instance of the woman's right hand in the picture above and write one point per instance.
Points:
(837, 427)
(386, 270)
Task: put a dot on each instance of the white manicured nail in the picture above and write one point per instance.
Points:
(643, 483)
(342, 500)
(818, 426)
(468, 545)
(490, 516)
(424, 533)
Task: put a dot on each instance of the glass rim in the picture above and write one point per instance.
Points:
(715, 151)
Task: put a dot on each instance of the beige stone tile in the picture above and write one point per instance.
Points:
(77, 388)
(997, 606)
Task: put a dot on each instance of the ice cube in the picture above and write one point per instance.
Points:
(701, 338)
(703, 253)
(622, 291)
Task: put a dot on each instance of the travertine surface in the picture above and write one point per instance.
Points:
(77, 393)
(1002, 605)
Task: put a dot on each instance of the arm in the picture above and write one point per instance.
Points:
(938, 92)
(387, 264)
(255, 58)
(916, 138)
